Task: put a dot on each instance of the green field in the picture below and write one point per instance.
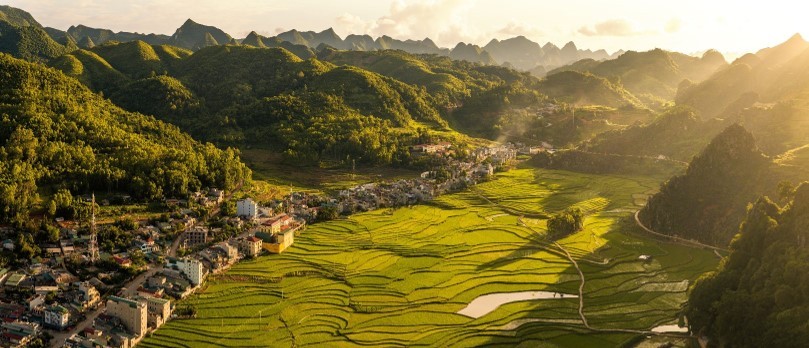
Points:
(398, 277)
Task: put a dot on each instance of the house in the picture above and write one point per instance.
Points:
(45, 289)
(191, 268)
(158, 311)
(133, 314)
(88, 295)
(56, 317)
(14, 280)
(278, 242)
(19, 333)
(251, 246)
(229, 251)
(35, 301)
(645, 258)
(216, 195)
(270, 226)
(122, 261)
(247, 208)
(8, 244)
(196, 236)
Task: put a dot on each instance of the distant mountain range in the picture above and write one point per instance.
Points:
(519, 52)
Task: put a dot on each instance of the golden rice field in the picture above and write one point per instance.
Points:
(399, 277)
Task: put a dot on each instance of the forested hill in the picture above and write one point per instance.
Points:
(242, 95)
(708, 201)
(56, 133)
(23, 37)
(759, 297)
(653, 76)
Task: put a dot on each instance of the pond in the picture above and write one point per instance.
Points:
(487, 303)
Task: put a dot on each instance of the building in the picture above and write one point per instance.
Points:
(14, 280)
(89, 296)
(278, 242)
(56, 317)
(276, 224)
(133, 314)
(158, 311)
(196, 236)
(230, 251)
(247, 208)
(192, 269)
(251, 246)
(19, 333)
(34, 301)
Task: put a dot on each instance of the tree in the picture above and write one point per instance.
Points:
(565, 223)
(51, 209)
(327, 213)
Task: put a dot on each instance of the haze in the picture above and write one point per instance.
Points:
(689, 26)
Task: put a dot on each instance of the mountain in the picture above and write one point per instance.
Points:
(17, 17)
(425, 46)
(229, 94)
(30, 42)
(578, 88)
(770, 75)
(653, 76)
(360, 43)
(471, 53)
(677, 134)
(709, 200)
(757, 297)
(98, 36)
(313, 39)
(59, 134)
(192, 35)
(254, 39)
(518, 51)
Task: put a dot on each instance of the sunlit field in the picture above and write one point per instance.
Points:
(399, 277)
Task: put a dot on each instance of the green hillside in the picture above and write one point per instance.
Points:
(758, 296)
(587, 89)
(709, 200)
(652, 76)
(677, 133)
(29, 42)
(17, 17)
(56, 133)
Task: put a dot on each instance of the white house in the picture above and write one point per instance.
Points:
(192, 269)
(56, 316)
(247, 208)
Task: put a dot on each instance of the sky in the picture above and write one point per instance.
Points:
(689, 26)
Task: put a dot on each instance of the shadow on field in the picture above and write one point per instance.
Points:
(618, 294)
(532, 246)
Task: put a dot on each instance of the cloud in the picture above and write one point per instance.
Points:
(613, 27)
(673, 25)
(445, 21)
(515, 28)
(352, 24)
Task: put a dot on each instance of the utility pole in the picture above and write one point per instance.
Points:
(93, 247)
(574, 117)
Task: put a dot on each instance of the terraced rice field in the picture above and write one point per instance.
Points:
(399, 277)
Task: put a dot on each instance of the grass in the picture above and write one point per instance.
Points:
(398, 277)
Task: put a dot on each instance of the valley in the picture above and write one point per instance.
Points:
(401, 276)
(415, 180)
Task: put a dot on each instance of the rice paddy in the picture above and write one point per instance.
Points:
(400, 277)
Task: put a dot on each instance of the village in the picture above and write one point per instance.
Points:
(84, 294)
